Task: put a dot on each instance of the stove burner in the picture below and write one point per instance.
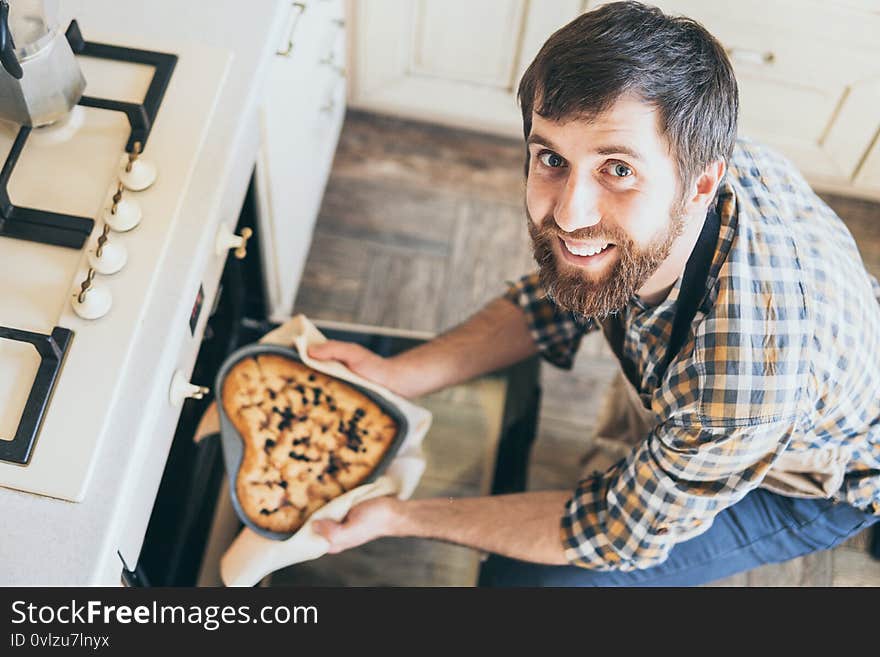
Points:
(52, 349)
(69, 230)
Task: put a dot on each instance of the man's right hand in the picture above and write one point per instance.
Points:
(361, 361)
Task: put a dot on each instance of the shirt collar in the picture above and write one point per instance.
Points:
(725, 202)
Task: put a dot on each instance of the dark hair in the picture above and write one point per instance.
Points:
(670, 62)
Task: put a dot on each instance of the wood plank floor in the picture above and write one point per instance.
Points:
(422, 224)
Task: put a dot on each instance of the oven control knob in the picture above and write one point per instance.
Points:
(141, 175)
(112, 258)
(226, 240)
(135, 173)
(92, 301)
(123, 216)
(181, 389)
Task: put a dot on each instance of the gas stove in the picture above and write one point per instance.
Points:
(89, 209)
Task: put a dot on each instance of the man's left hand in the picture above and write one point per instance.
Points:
(365, 522)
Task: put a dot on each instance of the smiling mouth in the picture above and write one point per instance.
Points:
(585, 254)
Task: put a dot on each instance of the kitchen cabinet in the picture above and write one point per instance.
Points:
(300, 121)
(808, 70)
(451, 61)
(809, 80)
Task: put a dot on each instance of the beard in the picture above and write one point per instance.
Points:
(599, 295)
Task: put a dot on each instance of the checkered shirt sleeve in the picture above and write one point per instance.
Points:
(557, 333)
(666, 491)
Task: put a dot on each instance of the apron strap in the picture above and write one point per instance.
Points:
(693, 289)
(693, 284)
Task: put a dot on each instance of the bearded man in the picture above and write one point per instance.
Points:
(732, 296)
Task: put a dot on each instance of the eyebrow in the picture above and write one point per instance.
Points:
(609, 149)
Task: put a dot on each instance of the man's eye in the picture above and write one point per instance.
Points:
(549, 159)
(621, 170)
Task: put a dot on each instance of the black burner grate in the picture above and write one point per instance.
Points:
(69, 230)
(52, 349)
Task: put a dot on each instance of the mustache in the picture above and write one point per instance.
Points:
(597, 232)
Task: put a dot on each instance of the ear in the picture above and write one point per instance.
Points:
(703, 189)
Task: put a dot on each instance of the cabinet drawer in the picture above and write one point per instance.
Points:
(301, 118)
(808, 73)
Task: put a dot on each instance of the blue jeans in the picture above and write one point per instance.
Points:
(761, 528)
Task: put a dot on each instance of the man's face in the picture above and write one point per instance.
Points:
(603, 204)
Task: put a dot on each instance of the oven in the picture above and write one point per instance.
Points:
(192, 485)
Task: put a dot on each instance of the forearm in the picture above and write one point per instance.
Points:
(524, 526)
(493, 338)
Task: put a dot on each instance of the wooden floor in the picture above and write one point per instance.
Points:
(421, 225)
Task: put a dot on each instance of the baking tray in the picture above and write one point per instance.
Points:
(233, 443)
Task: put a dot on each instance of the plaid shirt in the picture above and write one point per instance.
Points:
(782, 356)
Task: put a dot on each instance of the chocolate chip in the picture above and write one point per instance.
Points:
(269, 443)
(265, 512)
(283, 483)
(334, 464)
(272, 394)
(311, 377)
(286, 417)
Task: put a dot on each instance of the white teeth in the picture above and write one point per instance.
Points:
(586, 250)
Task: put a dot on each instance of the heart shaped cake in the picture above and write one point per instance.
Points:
(307, 438)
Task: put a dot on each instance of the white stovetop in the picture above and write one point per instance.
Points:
(79, 179)
(49, 541)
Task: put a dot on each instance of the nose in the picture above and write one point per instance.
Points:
(578, 205)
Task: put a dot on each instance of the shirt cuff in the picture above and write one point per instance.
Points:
(557, 333)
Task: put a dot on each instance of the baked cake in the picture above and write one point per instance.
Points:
(307, 438)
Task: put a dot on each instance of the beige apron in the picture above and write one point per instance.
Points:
(626, 419)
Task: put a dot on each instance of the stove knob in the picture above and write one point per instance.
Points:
(127, 215)
(226, 240)
(136, 174)
(91, 300)
(141, 175)
(181, 389)
(108, 257)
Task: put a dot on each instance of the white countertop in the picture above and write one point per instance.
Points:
(44, 541)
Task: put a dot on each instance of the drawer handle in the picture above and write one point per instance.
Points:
(754, 57)
(295, 14)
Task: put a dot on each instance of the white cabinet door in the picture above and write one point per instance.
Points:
(808, 74)
(451, 61)
(300, 121)
(808, 70)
